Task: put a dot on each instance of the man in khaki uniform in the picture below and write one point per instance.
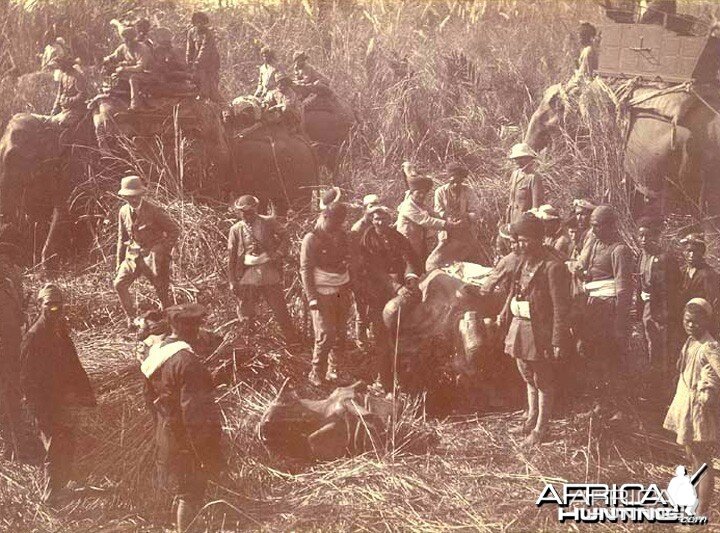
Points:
(146, 237)
(255, 246)
(526, 186)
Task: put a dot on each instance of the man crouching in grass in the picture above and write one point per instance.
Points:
(179, 392)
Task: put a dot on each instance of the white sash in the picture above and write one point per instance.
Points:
(520, 308)
(254, 260)
(603, 288)
(159, 354)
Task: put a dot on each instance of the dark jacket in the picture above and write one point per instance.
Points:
(548, 294)
(187, 419)
(705, 283)
(501, 275)
(51, 373)
(329, 252)
(658, 279)
(385, 262)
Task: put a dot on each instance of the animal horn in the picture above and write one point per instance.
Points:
(357, 385)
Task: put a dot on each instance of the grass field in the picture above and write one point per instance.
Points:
(478, 69)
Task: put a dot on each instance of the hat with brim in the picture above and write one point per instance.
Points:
(693, 239)
(547, 212)
(420, 183)
(185, 313)
(50, 293)
(582, 203)
(330, 196)
(504, 232)
(521, 150)
(380, 209)
(297, 56)
(132, 186)
(245, 202)
(370, 199)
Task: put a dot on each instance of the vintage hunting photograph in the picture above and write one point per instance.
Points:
(359, 265)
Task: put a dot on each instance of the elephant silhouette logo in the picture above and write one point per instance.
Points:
(681, 489)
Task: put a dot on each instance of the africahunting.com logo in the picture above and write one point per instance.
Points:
(590, 503)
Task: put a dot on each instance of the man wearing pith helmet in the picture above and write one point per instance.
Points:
(256, 246)
(527, 190)
(146, 237)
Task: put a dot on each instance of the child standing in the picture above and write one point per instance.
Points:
(693, 414)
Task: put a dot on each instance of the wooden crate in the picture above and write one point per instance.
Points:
(653, 52)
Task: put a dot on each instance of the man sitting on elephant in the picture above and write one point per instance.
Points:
(146, 237)
(269, 72)
(309, 82)
(387, 266)
(134, 62)
(587, 63)
(283, 105)
(69, 107)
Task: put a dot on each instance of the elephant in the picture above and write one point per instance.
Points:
(327, 123)
(672, 141)
(321, 430)
(41, 164)
(39, 168)
(199, 121)
(271, 162)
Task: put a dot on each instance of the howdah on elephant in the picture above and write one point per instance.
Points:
(269, 159)
(672, 141)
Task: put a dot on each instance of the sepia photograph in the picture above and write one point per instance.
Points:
(359, 265)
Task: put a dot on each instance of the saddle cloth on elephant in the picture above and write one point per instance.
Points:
(162, 113)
